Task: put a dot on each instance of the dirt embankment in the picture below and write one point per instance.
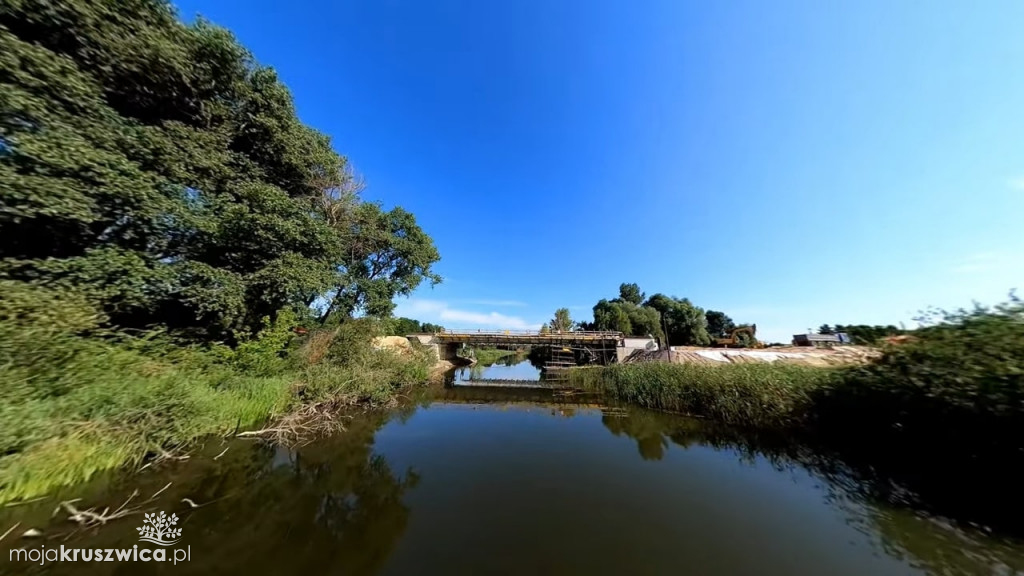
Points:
(838, 356)
(400, 345)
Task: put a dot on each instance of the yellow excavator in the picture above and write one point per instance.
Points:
(733, 340)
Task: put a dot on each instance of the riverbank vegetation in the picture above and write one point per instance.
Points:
(76, 404)
(957, 387)
(167, 226)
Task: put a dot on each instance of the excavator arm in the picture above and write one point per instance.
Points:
(732, 340)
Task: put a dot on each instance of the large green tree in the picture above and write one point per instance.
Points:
(687, 324)
(386, 255)
(562, 322)
(631, 293)
(155, 168)
(719, 324)
(628, 318)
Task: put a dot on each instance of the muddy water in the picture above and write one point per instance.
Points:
(473, 482)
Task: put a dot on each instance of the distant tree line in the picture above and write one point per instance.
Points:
(635, 314)
(862, 333)
(403, 326)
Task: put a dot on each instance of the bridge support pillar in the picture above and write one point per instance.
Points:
(448, 352)
(439, 350)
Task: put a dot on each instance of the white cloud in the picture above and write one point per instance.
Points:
(497, 303)
(439, 312)
(1017, 184)
(986, 262)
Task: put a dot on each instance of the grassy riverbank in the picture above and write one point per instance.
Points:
(748, 395)
(78, 404)
(958, 384)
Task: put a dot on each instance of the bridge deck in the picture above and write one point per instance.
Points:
(528, 338)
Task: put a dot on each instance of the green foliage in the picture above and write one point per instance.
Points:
(952, 396)
(159, 197)
(352, 371)
(405, 326)
(719, 324)
(488, 356)
(687, 324)
(562, 322)
(389, 255)
(264, 353)
(765, 396)
(79, 405)
(628, 318)
(155, 169)
(959, 382)
(631, 293)
(867, 335)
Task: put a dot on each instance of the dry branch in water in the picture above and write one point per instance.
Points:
(90, 517)
(301, 427)
(9, 530)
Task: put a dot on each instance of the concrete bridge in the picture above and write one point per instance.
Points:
(609, 346)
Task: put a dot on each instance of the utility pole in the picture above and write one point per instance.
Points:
(668, 347)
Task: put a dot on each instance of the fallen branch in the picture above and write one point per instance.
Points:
(165, 455)
(90, 517)
(301, 427)
(9, 530)
(158, 492)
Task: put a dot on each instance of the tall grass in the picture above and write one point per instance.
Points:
(772, 396)
(78, 400)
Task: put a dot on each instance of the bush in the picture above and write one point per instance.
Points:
(958, 382)
(75, 405)
(342, 366)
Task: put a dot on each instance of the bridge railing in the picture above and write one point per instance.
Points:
(485, 332)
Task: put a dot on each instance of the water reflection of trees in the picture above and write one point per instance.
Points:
(330, 507)
(881, 505)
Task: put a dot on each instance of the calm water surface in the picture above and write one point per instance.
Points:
(511, 368)
(473, 483)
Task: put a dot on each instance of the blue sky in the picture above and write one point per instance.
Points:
(789, 163)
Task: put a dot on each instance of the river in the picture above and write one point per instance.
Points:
(476, 481)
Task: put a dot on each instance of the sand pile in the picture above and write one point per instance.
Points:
(397, 344)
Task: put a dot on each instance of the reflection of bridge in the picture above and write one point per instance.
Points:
(609, 346)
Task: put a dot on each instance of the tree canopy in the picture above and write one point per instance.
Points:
(155, 168)
(687, 324)
(719, 324)
(403, 326)
(626, 317)
(631, 293)
(562, 322)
